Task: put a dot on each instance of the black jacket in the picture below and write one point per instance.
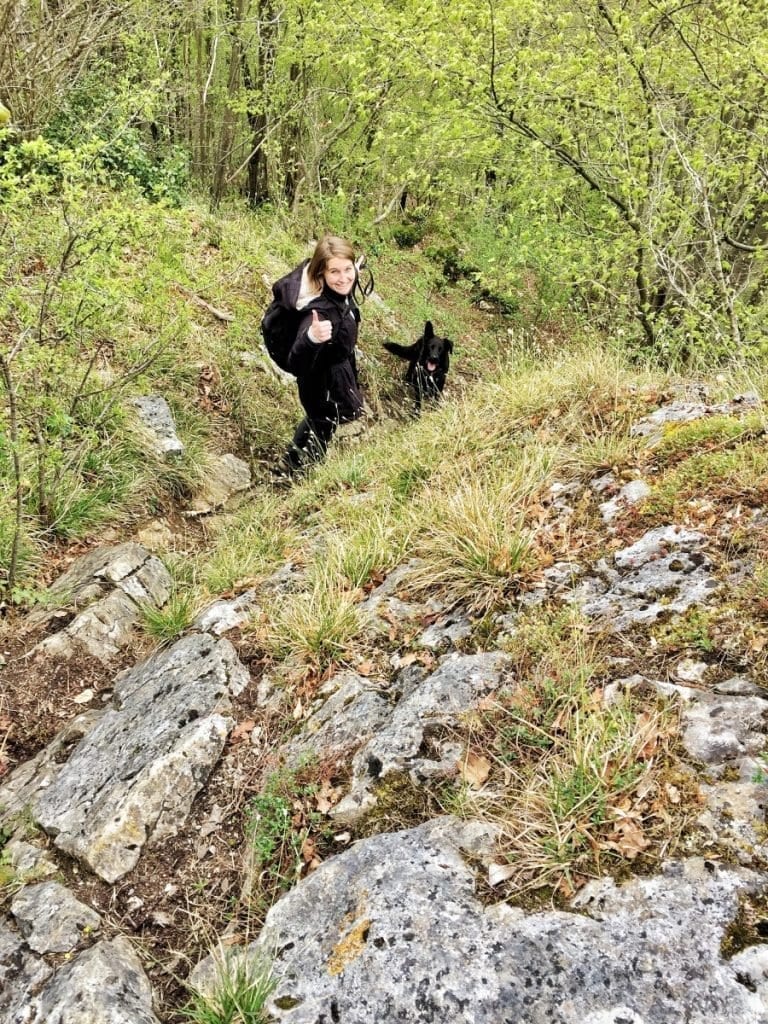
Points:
(326, 372)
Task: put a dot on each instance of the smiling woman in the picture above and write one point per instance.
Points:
(323, 355)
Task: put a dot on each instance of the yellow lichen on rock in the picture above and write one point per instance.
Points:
(351, 945)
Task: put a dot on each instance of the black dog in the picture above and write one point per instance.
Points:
(428, 361)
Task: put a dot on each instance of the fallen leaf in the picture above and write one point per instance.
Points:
(308, 850)
(474, 769)
(85, 697)
(365, 668)
(565, 888)
(649, 733)
(241, 731)
(326, 796)
(673, 793)
(498, 873)
(628, 840)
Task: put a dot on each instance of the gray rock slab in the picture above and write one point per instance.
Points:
(734, 817)
(447, 631)
(664, 573)
(674, 412)
(383, 608)
(630, 494)
(29, 780)
(717, 728)
(656, 543)
(106, 984)
(51, 919)
(653, 426)
(155, 417)
(352, 710)
(29, 862)
(221, 616)
(132, 779)
(225, 476)
(435, 701)
(391, 930)
(103, 629)
(106, 589)
(22, 972)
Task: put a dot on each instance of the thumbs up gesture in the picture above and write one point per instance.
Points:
(320, 330)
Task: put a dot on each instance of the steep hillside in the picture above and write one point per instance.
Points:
(521, 638)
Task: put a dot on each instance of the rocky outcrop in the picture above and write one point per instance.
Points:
(156, 420)
(392, 930)
(132, 777)
(100, 598)
(105, 984)
(225, 477)
(664, 573)
(383, 730)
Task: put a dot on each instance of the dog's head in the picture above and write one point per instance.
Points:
(434, 352)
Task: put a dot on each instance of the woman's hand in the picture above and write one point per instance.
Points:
(320, 330)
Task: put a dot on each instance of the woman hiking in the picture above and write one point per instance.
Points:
(323, 355)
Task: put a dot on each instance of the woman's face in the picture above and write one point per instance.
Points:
(339, 275)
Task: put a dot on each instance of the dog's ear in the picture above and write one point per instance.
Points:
(448, 344)
(428, 331)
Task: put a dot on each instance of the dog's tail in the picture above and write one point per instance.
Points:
(404, 351)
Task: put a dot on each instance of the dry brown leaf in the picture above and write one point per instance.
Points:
(242, 730)
(649, 733)
(565, 888)
(673, 793)
(628, 840)
(326, 796)
(474, 769)
(308, 850)
(365, 668)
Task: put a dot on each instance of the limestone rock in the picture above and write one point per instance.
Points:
(132, 779)
(226, 476)
(28, 780)
(664, 573)
(435, 701)
(51, 919)
(653, 426)
(221, 616)
(156, 418)
(719, 727)
(106, 588)
(392, 930)
(21, 974)
(630, 494)
(103, 985)
(352, 710)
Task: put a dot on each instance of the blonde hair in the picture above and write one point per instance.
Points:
(327, 249)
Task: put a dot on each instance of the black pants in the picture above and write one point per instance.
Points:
(310, 442)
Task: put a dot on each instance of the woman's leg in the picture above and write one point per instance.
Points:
(309, 444)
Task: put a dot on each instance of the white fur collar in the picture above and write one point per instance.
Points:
(307, 290)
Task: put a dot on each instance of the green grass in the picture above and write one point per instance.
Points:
(239, 994)
(169, 622)
(316, 628)
(280, 822)
(246, 546)
(739, 471)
